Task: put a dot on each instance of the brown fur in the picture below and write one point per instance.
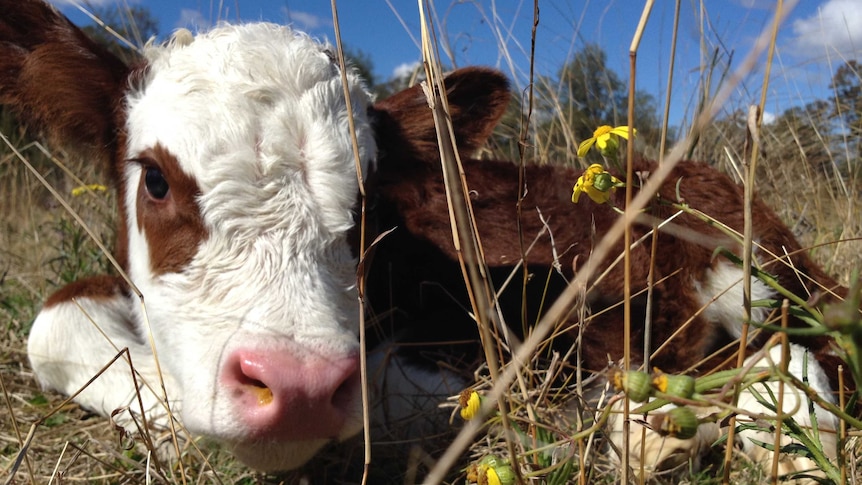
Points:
(94, 287)
(416, 280)
(59, 80)
(69, 88)
(173, 226)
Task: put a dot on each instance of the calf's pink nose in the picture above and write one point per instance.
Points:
(279, 395)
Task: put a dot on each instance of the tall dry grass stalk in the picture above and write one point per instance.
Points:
(465, 234)
(363, 201)
(748, 230)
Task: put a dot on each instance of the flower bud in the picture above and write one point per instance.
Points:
(491, 470)
(604, 182)
(679, 423)
(491, 460)
(611, 147)
(505, 474)
(636, 384)
(681, 386)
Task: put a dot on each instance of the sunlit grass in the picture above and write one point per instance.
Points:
(809, 178)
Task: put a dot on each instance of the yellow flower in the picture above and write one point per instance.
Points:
(491, 477)
(604, 137)
(659, 380)
(77, 191)
(470, 402)
(597, 183)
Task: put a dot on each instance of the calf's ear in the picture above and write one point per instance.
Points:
(56, 79)
(404, 125)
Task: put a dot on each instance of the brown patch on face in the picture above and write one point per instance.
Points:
(94, 288)
(170, 220)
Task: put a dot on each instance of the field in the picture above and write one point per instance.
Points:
(808, 170)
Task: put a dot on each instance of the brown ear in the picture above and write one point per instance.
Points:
(405, 126)
(56, 79)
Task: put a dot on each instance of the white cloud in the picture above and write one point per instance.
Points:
(836, 26)
(757, 4)
(768, 118)
(405, 69)
(192, 19)
(305, 20)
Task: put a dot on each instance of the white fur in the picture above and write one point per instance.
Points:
(69, 344)
(650, 451)
(255, 114)
(660, 452)
(406, 399)
(794, 402)
(723, 282)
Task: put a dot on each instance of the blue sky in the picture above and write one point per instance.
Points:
(817, 37)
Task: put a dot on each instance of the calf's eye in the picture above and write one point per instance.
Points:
(155, 182)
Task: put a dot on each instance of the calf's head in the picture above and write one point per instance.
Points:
(236, 180)
(237, 185)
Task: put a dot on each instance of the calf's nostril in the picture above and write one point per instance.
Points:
(343, 395)
(261, 392)
(253, 386)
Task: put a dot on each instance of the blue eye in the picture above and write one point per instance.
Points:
(155, 182)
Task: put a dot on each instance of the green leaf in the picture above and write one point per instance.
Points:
(38, 400)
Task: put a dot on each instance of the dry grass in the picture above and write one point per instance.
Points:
(41, 249)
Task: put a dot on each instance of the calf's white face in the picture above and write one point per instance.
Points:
(238, 197)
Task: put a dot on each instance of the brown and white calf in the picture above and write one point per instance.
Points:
(237, 193)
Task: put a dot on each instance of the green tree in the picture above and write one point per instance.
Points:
(363, 63)
(124, 27)
(847, 86)
(802, 132)
(585, 95)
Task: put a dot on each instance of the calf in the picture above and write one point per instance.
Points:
(237, 192)
(696, 308)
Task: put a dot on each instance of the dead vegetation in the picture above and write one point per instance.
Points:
(813, 186)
